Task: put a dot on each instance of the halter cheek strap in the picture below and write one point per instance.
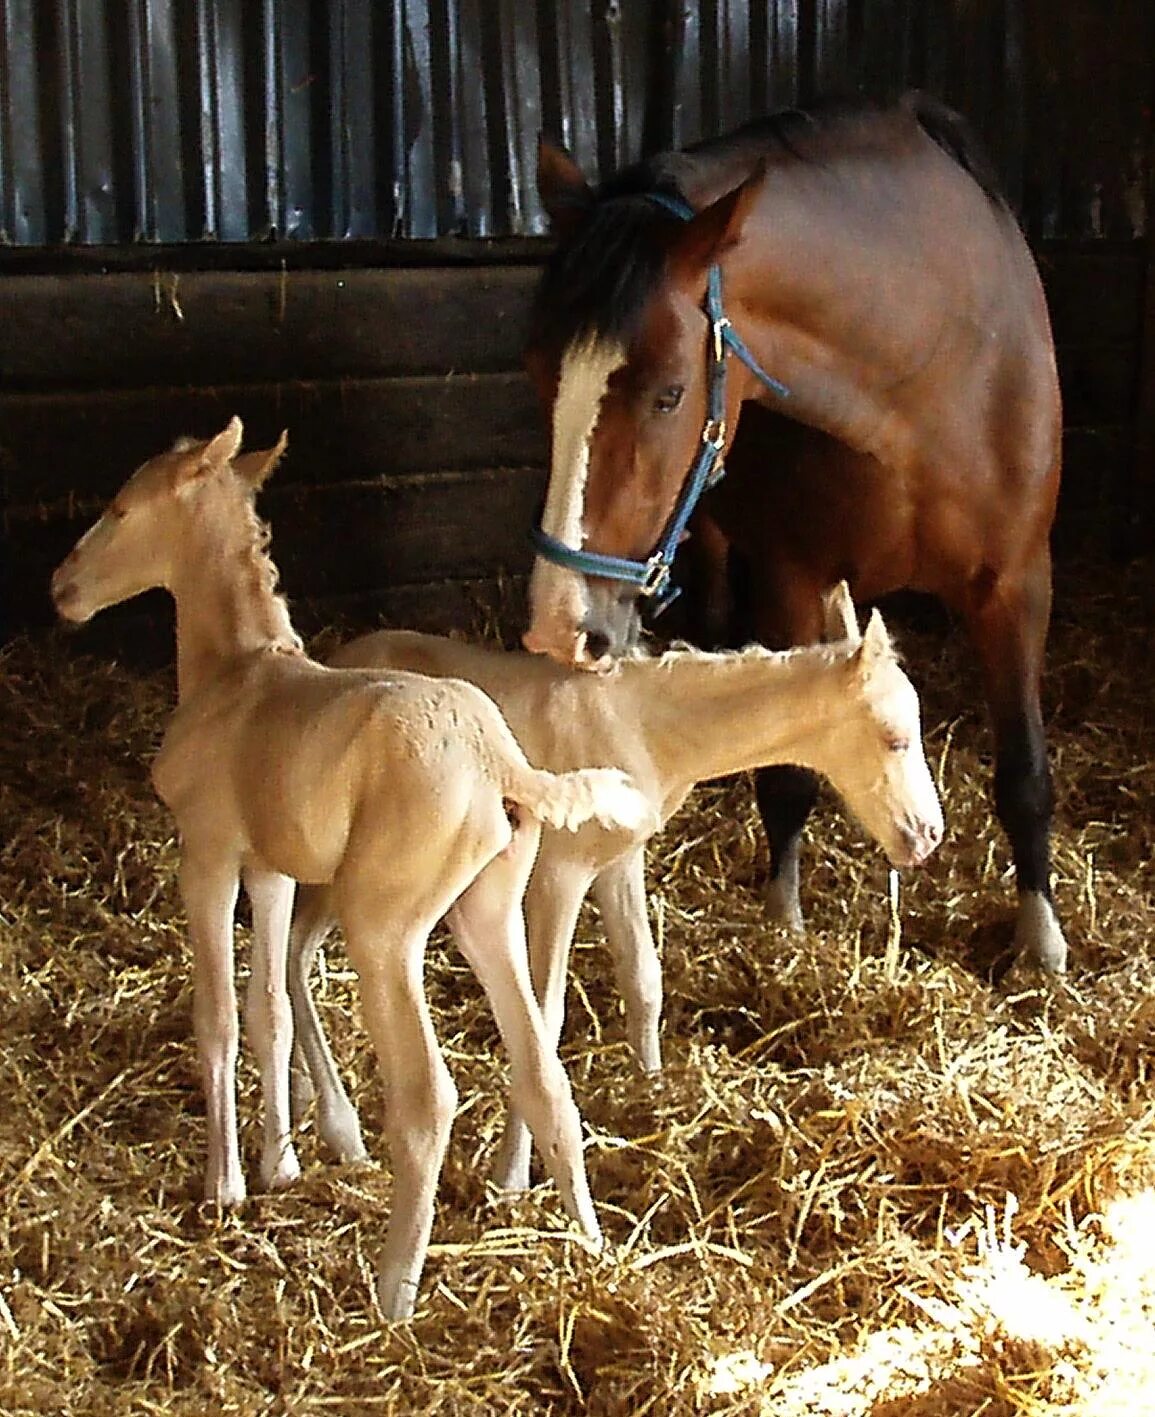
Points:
(652, 576)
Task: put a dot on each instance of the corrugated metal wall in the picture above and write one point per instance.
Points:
(242, 120)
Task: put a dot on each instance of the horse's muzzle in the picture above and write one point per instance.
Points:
(919, 840)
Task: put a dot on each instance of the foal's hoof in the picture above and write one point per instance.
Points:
(281, 1169)
(1038, 935)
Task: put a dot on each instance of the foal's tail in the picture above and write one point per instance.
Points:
(570, 799)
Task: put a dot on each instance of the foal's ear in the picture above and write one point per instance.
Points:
(700, 241)
(255, 468)
(224, 447)
(565, 194)
(876, 645)
(840, 622)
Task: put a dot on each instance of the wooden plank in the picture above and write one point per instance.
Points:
(122, 330)
(56, 446)
(337, 541)
(355, 538)
(1098, 384)
(1094, 291)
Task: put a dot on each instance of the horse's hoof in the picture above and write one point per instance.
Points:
(228, 1192)
(281, 1169)
(1038, 934)
(783, 908)
(341, 1133)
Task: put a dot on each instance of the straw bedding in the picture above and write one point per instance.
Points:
(882, 1174)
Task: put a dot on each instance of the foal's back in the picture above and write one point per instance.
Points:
(297, 762)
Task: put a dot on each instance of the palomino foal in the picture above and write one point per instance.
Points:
(844, 709)
(408, 796)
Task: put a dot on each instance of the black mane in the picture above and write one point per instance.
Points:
(596, 285)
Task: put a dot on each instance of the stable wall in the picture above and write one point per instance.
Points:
(417, 451)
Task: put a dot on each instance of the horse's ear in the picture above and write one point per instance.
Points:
(565, 194)
(255, 468)
(224, 447)
(702, 240)
(217, 453)
(840, 622)
(876, 644)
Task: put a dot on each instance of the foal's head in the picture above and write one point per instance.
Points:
(872, 752)
(618, 354)
(155, 524)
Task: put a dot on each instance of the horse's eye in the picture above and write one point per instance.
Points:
(117, 512)
(897, 745)
(669, 399)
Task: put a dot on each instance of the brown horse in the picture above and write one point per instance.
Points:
(851, 283)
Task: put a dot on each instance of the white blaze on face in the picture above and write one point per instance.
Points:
(557, 595)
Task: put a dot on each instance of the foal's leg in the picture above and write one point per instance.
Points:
(552, 902)
(620, 891)
(314, 1066)
(1009, 627)
(420, 1098)
(488, 925)
(270, 1020)
(208, 886)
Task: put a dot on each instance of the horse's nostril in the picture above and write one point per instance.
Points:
(597, 644)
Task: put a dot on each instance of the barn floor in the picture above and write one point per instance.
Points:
(880, 1175)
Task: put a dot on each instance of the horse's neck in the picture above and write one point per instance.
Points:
(709, 715)
(226, 605)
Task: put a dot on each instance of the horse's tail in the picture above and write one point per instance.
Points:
(567, 800)
(954, 135)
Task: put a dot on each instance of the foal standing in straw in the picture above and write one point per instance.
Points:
(844, 709)
(394, 789)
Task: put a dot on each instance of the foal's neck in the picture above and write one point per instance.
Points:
(227, 607)
(710, 715)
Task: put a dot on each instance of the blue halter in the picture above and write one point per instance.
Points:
(652, 576)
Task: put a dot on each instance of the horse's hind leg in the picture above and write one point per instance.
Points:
(420, 1097)
(1009, 627)
(315, 1072)
(489, 926)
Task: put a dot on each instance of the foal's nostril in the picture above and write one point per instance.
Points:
(597, 644)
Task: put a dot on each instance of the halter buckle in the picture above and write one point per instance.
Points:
(714, 434)
(657, 574)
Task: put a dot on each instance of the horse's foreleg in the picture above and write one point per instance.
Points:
(780, 605)
(208, 887)
(1009, 628)
(488, 924)
(270, 1020)
(552, 902)
(785, 797)
(620, 891)
(314, 1071)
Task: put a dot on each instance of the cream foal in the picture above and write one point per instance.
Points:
(845, 709)
(408, 796)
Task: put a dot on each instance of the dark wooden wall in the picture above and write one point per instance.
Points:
(417, 451)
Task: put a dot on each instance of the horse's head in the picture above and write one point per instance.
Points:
(151, 523)
(619, 354)
(873, 753)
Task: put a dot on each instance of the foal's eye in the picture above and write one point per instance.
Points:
(669, 399)
(895, 744)
(117, 512)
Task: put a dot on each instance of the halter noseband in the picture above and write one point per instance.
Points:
(652, 576)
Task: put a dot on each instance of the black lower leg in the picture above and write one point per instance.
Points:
(785, 797)
(1024, 800)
